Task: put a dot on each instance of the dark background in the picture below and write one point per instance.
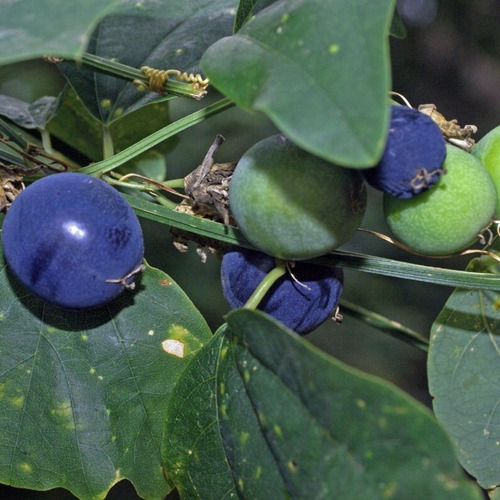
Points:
(450, 57)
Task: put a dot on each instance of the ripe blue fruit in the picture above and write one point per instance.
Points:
(70, 238)
(301, 304)
(413, 156)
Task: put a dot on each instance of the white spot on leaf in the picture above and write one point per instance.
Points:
(172, 346)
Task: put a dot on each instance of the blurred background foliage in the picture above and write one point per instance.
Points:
(450, 57)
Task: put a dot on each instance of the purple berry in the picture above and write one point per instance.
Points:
(413, 156)
(70, 238)
(301, 304)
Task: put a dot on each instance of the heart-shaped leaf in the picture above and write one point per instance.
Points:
(464, 375)
(318, 68)
(83, 394)
(162, 35)
(34, 28)
(261, 413)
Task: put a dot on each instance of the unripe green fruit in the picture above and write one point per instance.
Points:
(488, 151)
(293, 205)
(448, 217)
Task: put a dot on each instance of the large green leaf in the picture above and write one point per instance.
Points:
(318, 68)
(83, 394)
(34, 28)
(464, 375)
(260, 413)
(169, 34)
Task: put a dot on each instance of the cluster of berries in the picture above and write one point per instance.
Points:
(73, 240)
(438, 198)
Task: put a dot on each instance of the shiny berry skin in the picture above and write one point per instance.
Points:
(67, 234)
(301, 304)
(413, 156)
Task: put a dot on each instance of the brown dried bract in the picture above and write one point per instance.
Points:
(205, 245)
(209, 182)
(453, 132)
(11, 184)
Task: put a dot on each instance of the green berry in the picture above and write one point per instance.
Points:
(293, 205)
(448, 217)
(488, 151)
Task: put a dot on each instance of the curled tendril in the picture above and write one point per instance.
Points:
(157, 78)
(487, 234)
(189, 78)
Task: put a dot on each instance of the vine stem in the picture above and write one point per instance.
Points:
(174, 183)
(267, 282)
(108, 149)
(156, 138)
(129, 73)
(385, 325)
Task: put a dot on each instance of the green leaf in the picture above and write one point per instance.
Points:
(464, 375)
(169, 34)
(157, 137)
(83, 395)
(248, 8)
(34, 28)
(72, 117)
(398, 28)
(29, 114)
(319, 69)
(261, 413)
(191, 445)
(150, 164)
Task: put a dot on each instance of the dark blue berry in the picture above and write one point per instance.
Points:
(301, 302)
(70, 238)
(413, 155)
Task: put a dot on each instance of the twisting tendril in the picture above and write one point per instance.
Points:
(157, 78)
(487, 235)
(189, 78)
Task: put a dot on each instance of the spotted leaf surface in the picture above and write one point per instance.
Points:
(164, 35)
(83, 395)
(261, 413)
